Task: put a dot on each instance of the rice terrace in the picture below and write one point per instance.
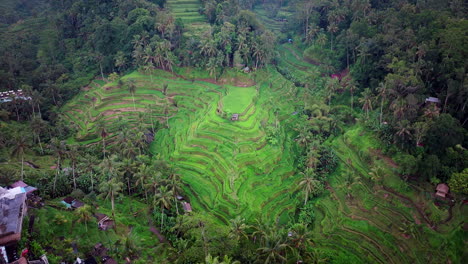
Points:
(188, 131)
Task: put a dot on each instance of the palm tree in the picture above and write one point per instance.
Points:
(149, 68)
(58, 147)
(110, 190)
(109, 166)
(382, 90)
(309, 183)
(312, 31)
(20, 144)
(127, 171)
(274, 249)
(163, 199)
(208, 48)
(351, 85)
(38, 126)
(300, 238)
(403, 131)
(84, 214)
(87, 164)
(226, 260)
(321, 39)
(304, 136)
(174, 184)
(331, 85)
(72, 155)
(377, 174)
(156, 180)
(238, 229)
(101, 128)
(366, 101)
(332, 28)
(144, 172)
(132, 89)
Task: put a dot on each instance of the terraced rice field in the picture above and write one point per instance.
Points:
(228, 167)
(189, 12)
(274, 24)
(367, 222)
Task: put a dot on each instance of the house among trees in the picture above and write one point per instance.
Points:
(187, 207)
(104, 222)
(442, 190)
(72, 203)
(433, 100)
(8, 96)
(12, 210)
(28, 189)
(235, 117)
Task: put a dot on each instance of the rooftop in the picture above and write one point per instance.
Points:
(12, 206)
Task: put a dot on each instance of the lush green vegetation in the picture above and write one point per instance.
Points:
(334, 158)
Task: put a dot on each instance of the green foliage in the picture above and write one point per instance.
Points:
(307, 215)
(459, 182)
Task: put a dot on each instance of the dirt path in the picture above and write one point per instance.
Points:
(388, 160)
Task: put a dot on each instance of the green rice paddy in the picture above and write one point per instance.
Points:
(229, 168)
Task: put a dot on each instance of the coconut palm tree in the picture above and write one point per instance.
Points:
(300, 238)
(72, 154)
(174, 184)
(163, 199)
(131, 86)
(351, 86)
(84, 214)
(275, 248)
(101, 129)
(59, 149)
(143, 174)
(309, 183)
(382, 93)
(38, 126)
(321, 39)
(127, 170)
(366, 100)
(110, 190)
(238, 229)
(304, 137)
(377, 174)
(20, 144)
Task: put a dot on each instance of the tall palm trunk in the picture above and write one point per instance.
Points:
(40, 143)
(56, 174)
(112, 205)
(73, 174)
(104, 147)
(133, 97)
(162, 216)
(381, 110)
(22, 165)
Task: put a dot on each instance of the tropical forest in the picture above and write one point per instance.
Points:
(233, 131)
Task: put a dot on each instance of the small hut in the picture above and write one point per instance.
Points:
(104, 222)
(72, 203)
(235, 117)
(442, 190)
